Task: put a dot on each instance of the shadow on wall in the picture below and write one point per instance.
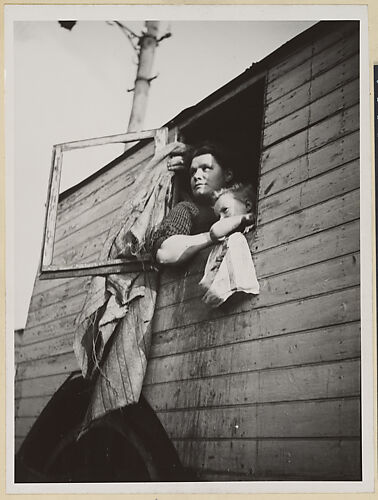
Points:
(126, 445)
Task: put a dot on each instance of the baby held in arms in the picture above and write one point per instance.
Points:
(229, 267)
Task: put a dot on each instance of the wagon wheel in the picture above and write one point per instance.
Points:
(107, 452)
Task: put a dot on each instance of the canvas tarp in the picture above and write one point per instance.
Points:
(113, 331)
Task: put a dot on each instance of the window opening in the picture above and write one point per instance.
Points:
(236, 124)
(48, 269)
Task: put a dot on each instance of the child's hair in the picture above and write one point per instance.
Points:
(240, 191)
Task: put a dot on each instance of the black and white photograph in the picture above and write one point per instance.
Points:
(189, 249)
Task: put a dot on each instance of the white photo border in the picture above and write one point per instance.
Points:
(207, 12)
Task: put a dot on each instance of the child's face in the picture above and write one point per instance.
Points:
(227, 206)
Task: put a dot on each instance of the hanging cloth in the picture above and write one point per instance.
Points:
(113, 330)
(229, 269)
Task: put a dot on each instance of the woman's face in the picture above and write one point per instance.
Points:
(207, 176)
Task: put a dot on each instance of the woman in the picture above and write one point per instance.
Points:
(192, 225)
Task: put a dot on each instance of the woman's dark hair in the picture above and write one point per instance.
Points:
(226, 159)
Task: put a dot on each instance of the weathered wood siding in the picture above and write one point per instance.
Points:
(46, 356)
(268, 387)
(265, 387)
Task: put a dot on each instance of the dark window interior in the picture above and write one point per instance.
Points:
(237, 125)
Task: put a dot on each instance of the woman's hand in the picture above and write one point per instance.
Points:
(228, 225)
(176, 157)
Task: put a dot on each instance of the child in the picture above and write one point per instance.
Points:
(229, 267)
(236, 204)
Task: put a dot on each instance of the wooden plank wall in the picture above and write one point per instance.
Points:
(263, 388)
(268, 387)
(46, 356)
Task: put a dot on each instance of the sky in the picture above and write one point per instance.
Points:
(72, 85)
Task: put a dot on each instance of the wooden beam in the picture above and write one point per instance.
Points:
(109, 139)
(52, 207)
(98, 268)
(49, 271)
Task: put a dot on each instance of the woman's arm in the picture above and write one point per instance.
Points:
(180, 247)
(171, 242)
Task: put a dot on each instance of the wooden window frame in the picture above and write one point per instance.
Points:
(47, 269)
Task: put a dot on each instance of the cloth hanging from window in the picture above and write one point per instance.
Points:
(113, 330)
(229, 269)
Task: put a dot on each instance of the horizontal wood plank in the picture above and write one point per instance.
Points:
(315, 190)
(331, 213)
(332, 128)
(17, 443)
(98, 208)
(326, 158)
(67, 307)
(315, 312)
(83, 250)
(345, 239)
(327, 344)
(41, 386)
(122, 192)
(319, 45)
(343, 97)
(57, 292)
(77, 220)
(296, 316)
(30, 407)
(327, 82)
(88, 253)
(322, 278)
(328, 380)
(85, 234)
(53, 365)
(41, 286)
(92, 189)
(328, 281)
(226, 456)
(78, 230)
(23, 426)
(316, 136)
(312, 67)
(318, 459)
(308, 227)
(321, 246)
(300, 459)
(327, 244)
(327, 418)
(338, 342)
(50, 329)
(275, 288)
(332, 380)
(317, 247)
(46, 347)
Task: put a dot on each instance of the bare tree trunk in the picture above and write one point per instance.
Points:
(148, 43)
